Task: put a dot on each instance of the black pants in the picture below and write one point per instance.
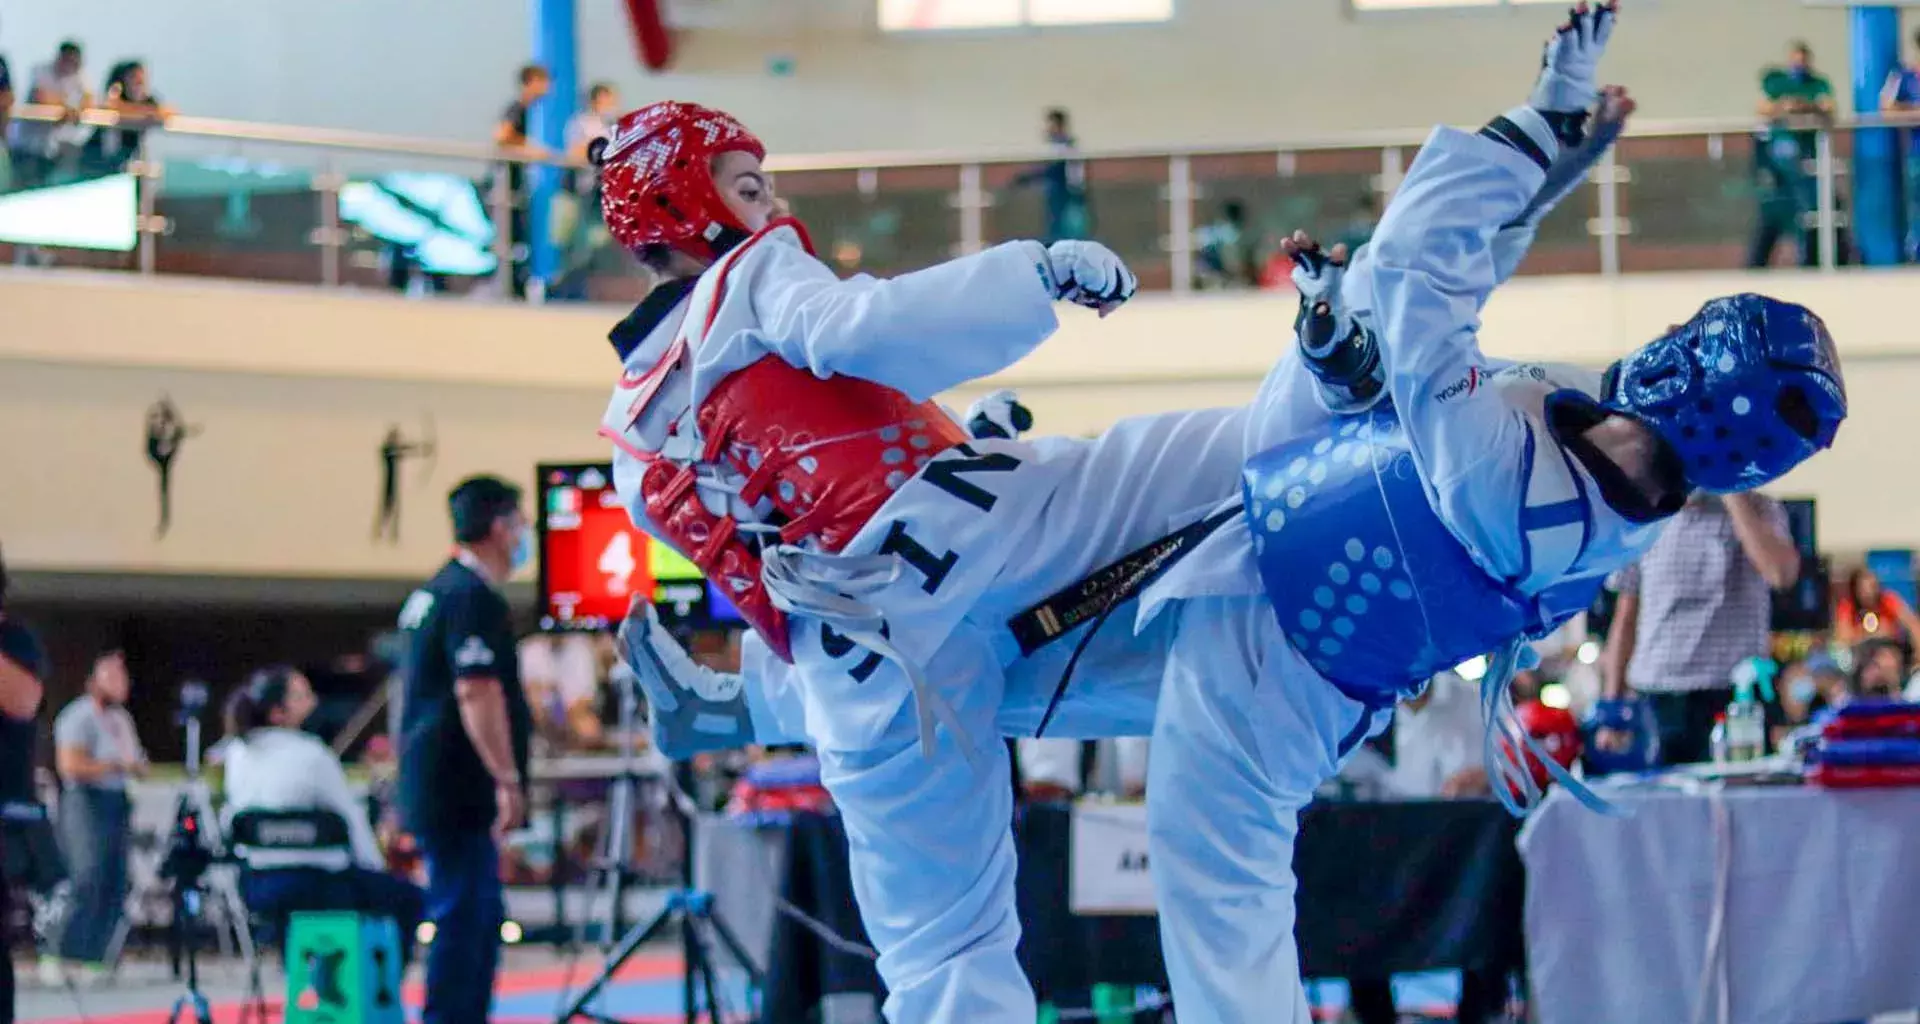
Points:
(1483, 998)
(278, 893)
(30, 859)
(1685, 721)
(467, 905)
(1778, 218)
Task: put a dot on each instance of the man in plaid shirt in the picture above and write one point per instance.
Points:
(1694, 607)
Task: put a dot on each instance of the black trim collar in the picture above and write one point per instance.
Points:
(630, 333)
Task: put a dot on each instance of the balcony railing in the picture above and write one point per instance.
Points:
(333, 208)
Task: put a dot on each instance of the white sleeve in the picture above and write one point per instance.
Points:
(922, 333)
(334, 793)
(1433, 269)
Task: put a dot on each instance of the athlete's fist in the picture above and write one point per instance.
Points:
(1087, 274)
(1610, 117)
(1336, 347)
(1570, 66)
(1317, 273)
(998, 415)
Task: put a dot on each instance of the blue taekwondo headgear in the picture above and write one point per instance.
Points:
(1743, 392)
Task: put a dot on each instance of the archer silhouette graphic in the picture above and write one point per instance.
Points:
(394, 450)
(166, 433)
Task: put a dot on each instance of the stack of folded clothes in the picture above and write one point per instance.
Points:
(770, 792)
(1868, 744)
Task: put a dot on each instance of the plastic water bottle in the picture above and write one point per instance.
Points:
(1746, 729)
(1717, 739)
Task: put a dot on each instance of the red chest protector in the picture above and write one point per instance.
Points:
(824, 454)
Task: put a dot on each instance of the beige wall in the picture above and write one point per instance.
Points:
(284, 478)
(1224, 72)
(295, 388)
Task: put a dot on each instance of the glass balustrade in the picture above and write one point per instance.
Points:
(290, 205)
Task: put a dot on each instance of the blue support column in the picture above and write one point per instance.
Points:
(1877, 210)
(556, 43)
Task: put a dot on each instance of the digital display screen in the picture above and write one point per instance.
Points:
(594, 561)
(102, 213)
(439, 218)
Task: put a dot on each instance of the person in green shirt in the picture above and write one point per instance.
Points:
(1797, 91)
(1787, 192)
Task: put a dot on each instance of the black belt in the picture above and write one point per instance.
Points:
(1095, 597)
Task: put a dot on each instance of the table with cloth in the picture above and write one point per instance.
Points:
(1385, 888)
(1755, 904)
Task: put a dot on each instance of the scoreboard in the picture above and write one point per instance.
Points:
(594, 561)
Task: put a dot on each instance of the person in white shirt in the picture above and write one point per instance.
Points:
(272, 765)
(591, 124)
(1054, 769)
(1437, 738)
(40, 149)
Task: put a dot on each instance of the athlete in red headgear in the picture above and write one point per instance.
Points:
(775, 424)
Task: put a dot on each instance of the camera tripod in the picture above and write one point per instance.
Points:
(191, 850)
(688, 909)
(186, 910)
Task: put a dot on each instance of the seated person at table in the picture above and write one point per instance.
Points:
(274, 766)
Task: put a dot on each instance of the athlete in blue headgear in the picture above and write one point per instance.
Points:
(1443, 505)
(1409, 503)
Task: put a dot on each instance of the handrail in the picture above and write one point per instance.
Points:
(1175, 260)
(344, 139)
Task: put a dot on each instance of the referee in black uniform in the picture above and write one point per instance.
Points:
(23, 667)
(465, 728)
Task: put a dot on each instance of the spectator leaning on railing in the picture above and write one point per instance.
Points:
(129, 95)
(1062, 181)
(1781, 154)
(577, 227)
(510, 134)
(42, 150)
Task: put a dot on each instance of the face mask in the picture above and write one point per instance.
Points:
(1802, 691)
(522, 549)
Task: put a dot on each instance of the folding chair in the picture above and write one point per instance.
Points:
(257, 831)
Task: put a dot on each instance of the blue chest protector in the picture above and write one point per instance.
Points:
(1368, 583)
